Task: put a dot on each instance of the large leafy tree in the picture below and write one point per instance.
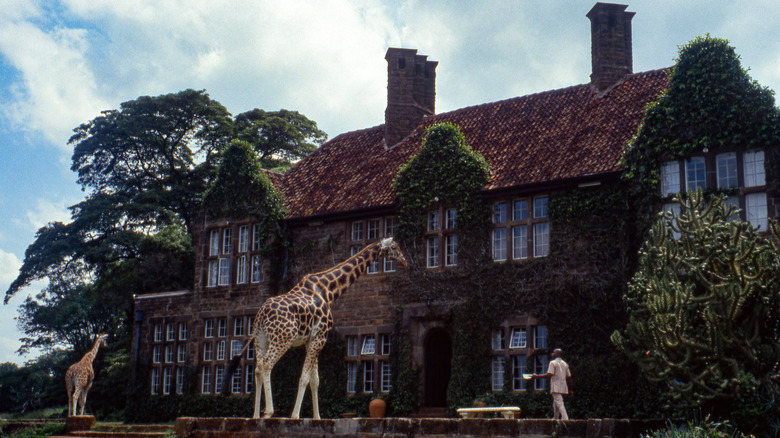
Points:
(703, 304)
(279, 138)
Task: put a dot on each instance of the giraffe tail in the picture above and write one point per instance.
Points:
(231, 368)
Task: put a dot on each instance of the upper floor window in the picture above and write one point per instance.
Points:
(226, 242)
(520, 210)
(224, 272)
(157, 332)
(754, 168)
(515, 234)
(432, 252)
(357, 230)
(238, 326)
(257, 269)
(451, 250)
(726, 169)
(352, 346)
(369, 345)
(373, 229)
(389, 226)
(208, 328)
(540, 207)
(182, 331)
(213, 273)
(433, 221)
(451, 218)
(670, 178)
(243, 238)
(499, 212)
(695, 173)
(214, 243)
(170, 332)
(756, 209)
(499, 244)
(241, 271)
(256, 237)
(222, 328)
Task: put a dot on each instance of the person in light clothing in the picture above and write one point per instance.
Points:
(560, 383)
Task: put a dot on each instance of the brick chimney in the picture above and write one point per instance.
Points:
(411, 92)
(611, 57)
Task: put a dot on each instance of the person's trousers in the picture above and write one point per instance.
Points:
(559, 411)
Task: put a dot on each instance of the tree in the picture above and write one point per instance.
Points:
(279, 138)
(703, 304)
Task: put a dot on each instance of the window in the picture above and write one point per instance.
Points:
(541, 239)
(520, 242)
(451, 218)
(241, 270)
(208, 328)
(256, 237)
(235, 348)
(224, 272)
(250, 378)
(373, 267)
(369, 345)
(540, 367)
(353, 250)
(520, 210)
(226, 243)
(755, 205)
(243, 238)
(498, 339)
(433, 221)
(156, 354)
(518, 369)
(386, 377)
(373, 229)
(540, 207)
(222, 328)
(214, 243)
(389, 265)
(158, 333)
(181, 355)
(170, 332)
(182, 331)
(155, 381)
(497, 373)
(219, 373)
(540, 338)
(213, 272)
(389, 226)
(368, 376)
(238, 326)
(499, 244)
(352, 346)
(208, 353)
(166, 380)
(169, 354)
(754, 168)
(236, 381)
(726, 169)
(179, 380)
(221, 350)
(499, 212)
(518, 338)
(695, 173)
(250, 351)
(352, 369)
(386, 343)
(357, 230)
(670, 178)
(432, 250)
(451, 248)
(205, 385)
(257, 271)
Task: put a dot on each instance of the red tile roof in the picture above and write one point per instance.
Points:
(539, 138)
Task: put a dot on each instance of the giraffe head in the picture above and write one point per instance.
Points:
(102, 340)
(389, 248)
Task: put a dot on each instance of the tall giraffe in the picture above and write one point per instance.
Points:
(79, 377)
(302, 316)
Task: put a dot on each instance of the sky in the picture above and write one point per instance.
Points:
(62, 62)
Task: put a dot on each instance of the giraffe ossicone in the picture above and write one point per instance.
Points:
(302, 317)
(79, 378)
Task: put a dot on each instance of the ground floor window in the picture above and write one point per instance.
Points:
(526, 354)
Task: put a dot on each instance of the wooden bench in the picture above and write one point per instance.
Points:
(507, 411)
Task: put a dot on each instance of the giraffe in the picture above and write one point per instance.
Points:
(79, 377)
(302, 317)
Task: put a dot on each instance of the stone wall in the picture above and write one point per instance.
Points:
(410, 427)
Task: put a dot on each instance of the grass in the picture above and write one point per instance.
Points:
(55, 412)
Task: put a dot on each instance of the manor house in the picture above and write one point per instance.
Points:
(340, 197)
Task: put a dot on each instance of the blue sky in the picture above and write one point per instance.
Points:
(62, 62)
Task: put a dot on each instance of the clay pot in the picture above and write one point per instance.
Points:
(377, 407)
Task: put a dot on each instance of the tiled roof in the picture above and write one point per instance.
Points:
(539, 138)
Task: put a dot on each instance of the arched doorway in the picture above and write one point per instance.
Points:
(438, 355)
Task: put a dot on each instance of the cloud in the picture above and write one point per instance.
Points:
(9, 334)
(44, 212)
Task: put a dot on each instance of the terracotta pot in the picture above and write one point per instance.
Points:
(377, 407)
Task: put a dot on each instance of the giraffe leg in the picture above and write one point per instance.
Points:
(84, 397)
(269, 359)
(258, 387)
(74, 400)
(309, 365)
(314, 384)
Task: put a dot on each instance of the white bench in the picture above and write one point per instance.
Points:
(507, 411)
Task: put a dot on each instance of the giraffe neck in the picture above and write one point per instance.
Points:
(349, 270)
(90, 356)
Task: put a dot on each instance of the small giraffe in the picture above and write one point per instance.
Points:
(79, 377)
(302, 316)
